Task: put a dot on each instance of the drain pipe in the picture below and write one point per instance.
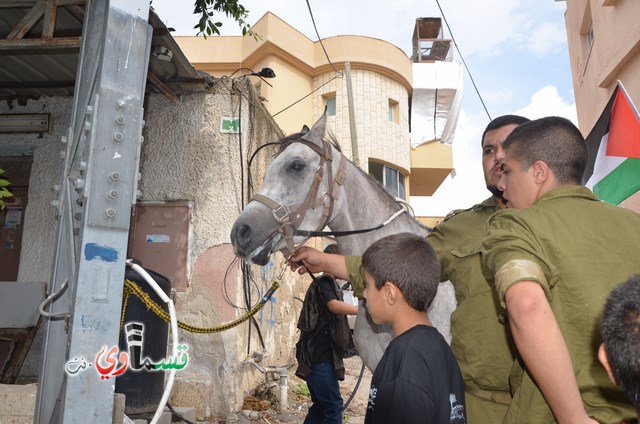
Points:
(255, 364)
(284, 389)
(283, 372)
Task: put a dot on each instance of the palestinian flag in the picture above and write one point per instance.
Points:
(613, 169)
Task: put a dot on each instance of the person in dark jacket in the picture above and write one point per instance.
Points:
(319, 355)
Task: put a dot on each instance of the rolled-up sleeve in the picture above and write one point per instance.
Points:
(356, 274)
(511, 253)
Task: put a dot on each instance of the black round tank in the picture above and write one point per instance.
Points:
(144, 335)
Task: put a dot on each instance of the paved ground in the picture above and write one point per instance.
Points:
(264, 411)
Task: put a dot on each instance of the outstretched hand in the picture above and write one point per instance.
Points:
(307, 258)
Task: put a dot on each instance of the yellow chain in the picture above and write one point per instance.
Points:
(131, 288)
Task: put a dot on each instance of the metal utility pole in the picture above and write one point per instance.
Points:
(352, 116)
(99, 183)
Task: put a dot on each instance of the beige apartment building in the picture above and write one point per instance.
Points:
(390, 90)
(604, 47)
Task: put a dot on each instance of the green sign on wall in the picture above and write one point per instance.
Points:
(229, 125)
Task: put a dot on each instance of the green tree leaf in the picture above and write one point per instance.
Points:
(207, 9)
(3, 190)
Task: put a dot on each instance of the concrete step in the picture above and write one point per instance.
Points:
(18, 403)
(188, 413)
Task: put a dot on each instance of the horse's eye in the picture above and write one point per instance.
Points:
(296, 166)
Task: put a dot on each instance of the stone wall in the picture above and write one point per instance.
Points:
(186, 157)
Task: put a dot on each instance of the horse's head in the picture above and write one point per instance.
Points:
(297, 193)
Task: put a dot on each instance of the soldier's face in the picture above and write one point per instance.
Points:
(493, 153)
(518, 185)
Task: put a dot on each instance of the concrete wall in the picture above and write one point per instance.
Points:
(184, 157)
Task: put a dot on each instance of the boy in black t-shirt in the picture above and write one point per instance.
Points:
(318, 354)
(417, 379)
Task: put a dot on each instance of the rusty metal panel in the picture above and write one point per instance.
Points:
(160, 239)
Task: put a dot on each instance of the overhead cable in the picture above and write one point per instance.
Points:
(463, 61)
(320, 40)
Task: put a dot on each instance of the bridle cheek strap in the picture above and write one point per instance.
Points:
(291, 216)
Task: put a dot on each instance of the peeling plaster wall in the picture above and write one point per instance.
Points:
(186, 157)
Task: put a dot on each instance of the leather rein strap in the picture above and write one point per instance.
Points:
(291, 216)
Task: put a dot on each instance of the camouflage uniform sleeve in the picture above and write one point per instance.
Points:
(511, 253)
(356, 274)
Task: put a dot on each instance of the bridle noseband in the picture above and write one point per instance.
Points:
(291, 216)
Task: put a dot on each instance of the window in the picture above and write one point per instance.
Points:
(391, 179)
(330, 103)
(393, 111)
(590, 36)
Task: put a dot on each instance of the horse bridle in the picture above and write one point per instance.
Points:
(291, 216)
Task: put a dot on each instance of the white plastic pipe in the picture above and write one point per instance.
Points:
(284, 389)
(174, 335)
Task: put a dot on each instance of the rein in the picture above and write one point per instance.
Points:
(305, 233)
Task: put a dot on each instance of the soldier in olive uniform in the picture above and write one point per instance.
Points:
(554, 263)
(480, 339)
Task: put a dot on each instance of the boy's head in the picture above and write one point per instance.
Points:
(541, 155)
(332, 248)
(405, 261)
(620, 350)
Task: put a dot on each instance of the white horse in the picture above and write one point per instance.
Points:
(311, 185)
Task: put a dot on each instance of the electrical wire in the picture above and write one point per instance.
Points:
(320, 40)
(302, 98)
(435, 111)
(177, 415)
(463, 61)
(246, 280)
(241, 69)
(225, 292)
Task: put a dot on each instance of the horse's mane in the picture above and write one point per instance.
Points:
(285, 141)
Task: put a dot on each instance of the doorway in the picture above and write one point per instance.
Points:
(17, 170)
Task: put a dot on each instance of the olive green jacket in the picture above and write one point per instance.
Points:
(577, 248)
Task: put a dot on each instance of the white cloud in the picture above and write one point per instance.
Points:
(547, 102)
(546, 38)
(481, 27)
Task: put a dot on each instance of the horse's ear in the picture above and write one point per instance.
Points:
(304, 130)
(318, 130)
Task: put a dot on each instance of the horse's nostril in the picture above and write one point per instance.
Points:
(244, 233)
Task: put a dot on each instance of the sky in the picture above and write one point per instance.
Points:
(516, 52)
